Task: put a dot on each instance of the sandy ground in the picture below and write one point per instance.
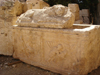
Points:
(9, 67)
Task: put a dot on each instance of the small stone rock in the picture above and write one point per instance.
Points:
(6, 66)
(13, 66)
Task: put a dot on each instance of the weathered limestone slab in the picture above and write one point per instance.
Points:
(74, 51)
(36, 4)
(85, 12)
(75, 10)
(57, 16)
(6, 45)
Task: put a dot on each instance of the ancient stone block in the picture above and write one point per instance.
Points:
(85, 12)
(75, 10)
(81, 18)
(6, 45)
(57, 16)
(36, 4)
(77, 16)
(74, 51)
(9, 14)
(43, 4)
(74, 7)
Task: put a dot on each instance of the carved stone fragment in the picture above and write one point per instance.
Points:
(57, 16)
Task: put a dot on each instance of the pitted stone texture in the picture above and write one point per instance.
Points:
(36, 4)
(65, 51)
(6, 44)
(57, 16)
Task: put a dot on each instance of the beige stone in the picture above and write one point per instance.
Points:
(78, 22)
(24, 7)
(43, 4)
(57, 16)
(85, 12)
(10, 14)
(18, 8)
(77, 17)
(2, 23)
(74, 51)
(6, 45)
(75, 10)
(74, 7)
(80, 13)
(36, 4)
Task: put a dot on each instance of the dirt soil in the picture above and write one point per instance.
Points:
(11, 66)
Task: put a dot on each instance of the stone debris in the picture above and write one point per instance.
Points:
(57, 16)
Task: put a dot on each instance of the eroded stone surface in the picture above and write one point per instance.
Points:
(65, 51)
(57, 16)
(36, 4)
(6, 44)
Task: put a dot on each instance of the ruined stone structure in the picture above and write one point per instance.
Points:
(66, 51)
(45, 41)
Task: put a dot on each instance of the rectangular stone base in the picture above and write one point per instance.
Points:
(73, 51)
